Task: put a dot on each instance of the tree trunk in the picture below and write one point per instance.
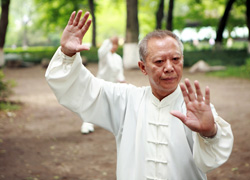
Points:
(223, 22)
(132, 29)
(170, 15)
(92, 11)
(159, 14)
(248, 23)
(3, 27)
(130, 48)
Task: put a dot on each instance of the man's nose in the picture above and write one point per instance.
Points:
(168, 66)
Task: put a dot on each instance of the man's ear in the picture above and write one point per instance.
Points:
(142, 67)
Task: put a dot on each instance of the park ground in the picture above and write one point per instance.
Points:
(42, 140)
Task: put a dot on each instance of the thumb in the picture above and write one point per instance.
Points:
(179, 115)
(82, 48)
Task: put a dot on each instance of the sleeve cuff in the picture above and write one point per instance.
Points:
(65, 57)
(215, 138)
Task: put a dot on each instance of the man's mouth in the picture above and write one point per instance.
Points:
(168, 78)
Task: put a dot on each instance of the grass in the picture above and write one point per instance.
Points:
(233, 71)
(242, 71)
(9, 106)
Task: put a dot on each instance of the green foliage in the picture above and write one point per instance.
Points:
(5, 87)
(36, 54)
(112, 21)
(192, 54)
(32, 54)
(48, 18)
(92, 54)
(147, 16)
(216, 57)
(235, 55)
(7, 106)
(246, 68)
(54, 15)
(208, 13)
(235, 71)
(237, 17)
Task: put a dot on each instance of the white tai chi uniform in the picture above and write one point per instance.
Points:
(151, 143)
(110, 67)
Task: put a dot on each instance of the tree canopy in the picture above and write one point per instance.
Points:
(45, 19)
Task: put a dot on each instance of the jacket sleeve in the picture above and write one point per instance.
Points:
(94, 100)
(105, 48)
(210, 153)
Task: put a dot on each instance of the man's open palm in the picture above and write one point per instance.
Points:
(199, 115)
(71, 41)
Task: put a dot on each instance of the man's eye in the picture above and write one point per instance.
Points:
(176, 58)
(159, 61)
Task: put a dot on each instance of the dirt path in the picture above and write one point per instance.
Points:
(42, 141)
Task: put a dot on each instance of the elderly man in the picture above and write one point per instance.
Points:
(164, 131)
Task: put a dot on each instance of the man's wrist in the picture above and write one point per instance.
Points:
(64, 51)
(213, 134)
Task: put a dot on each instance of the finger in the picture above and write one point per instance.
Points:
(83, 20)
(78, 16)
(179, 115)
(198, 91)
(86, 27)
(184, 93)
(71, 19)
(191, 93)
(207, 95)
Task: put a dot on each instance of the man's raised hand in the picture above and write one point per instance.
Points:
(199, 115)
(71, 41)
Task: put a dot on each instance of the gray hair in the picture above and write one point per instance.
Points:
(143, 51)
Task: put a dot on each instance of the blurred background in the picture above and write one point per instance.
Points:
(41, 140)
(215, 31)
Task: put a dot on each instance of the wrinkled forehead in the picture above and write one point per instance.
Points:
(167, 43)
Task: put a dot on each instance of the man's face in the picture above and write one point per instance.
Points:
(163, 65)
(115, 44)
(114, 48)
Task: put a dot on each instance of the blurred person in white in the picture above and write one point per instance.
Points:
(110, 68)
(166, 130)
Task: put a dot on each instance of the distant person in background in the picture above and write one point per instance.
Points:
(110, 68)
